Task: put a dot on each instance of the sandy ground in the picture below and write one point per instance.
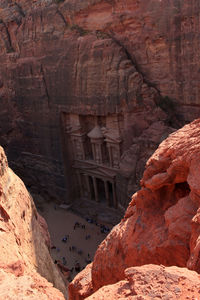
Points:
(61, 223)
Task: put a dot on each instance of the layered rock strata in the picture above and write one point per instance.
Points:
(26, 268)
(93, 58)
(161, 224)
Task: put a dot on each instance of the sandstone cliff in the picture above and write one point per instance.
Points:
(93, 57)
(25, 261)
(160, 226)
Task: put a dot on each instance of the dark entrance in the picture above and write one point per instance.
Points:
(101, 190)
(91, 188)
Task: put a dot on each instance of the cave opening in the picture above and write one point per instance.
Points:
(181, 190)
(101, 191)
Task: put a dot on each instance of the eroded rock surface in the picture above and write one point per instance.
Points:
(161, 224)
(25, 261)
(152, 282)
(94, 58)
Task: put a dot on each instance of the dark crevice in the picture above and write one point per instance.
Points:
(62, 17)
(169, 106)
(22, 13)
(181, 189)
(45, 85)
(133, 61)
(3, 214)
(10, 46)
(169, 195)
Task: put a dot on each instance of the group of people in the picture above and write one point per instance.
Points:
(103, 228)
(78, 225)
(67, 273)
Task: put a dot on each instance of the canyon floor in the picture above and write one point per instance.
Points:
(61, 223)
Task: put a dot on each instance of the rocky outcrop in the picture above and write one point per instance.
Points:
(152, 282)
(93, 58)
(26, 286)
(161, 224)
(82, 285)
(25, 260)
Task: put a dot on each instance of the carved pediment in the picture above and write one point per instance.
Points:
(111, 135)
(75, 130)
(95, 133)
(95, 170)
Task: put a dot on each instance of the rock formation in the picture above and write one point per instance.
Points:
(25, 261)
(160, 226)
(152, 282)
(94, 58)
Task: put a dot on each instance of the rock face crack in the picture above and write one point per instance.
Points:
(4, 215)
(62, 17)
(45, 85)
(22, 13)
(133, 61)
(8, 41)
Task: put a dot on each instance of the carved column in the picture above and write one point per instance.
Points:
(100, 153)
(93, 151)
(82, 147)
(80, 183)
(107, 192)
(110, 156)
(88, 186)
(114, 195)
(95, 189)
(96, 138)
(97, 153)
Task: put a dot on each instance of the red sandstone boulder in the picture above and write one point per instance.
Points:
(29, 286)
(82, 285)
(152, 282)
(161, 224)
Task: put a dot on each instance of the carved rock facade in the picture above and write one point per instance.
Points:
(100, 59)
(95, 145)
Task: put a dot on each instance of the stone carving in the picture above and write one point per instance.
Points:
(77, 139)
(113, 141)
(96, 174)
(96, 138)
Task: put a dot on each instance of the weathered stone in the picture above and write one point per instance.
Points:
(161, 224)
(152, 282)
(93, 59)
(24, 242)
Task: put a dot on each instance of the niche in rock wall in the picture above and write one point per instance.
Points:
(181, 190)
(169, 195)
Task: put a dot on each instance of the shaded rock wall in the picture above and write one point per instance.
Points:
(25, 260)
(161, 224)
(93, 58)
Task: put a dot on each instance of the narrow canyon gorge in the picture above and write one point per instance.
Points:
(99, 118)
